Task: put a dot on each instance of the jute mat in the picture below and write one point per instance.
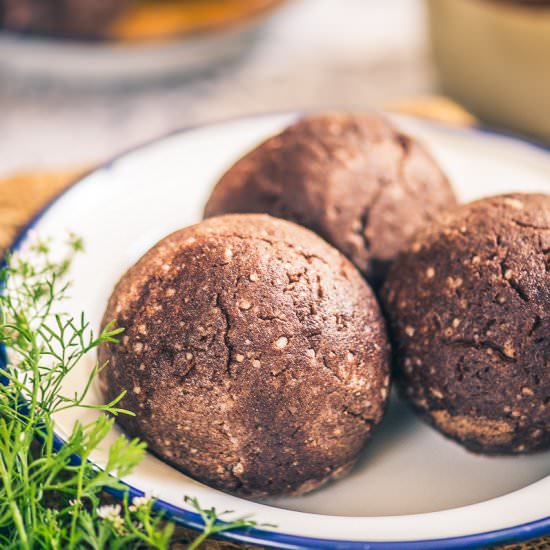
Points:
(23, 195)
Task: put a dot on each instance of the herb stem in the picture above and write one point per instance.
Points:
(199, 540)
(17, 518)
(76, 507)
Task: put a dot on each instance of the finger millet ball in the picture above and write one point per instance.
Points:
(469, 306)
(254, 355)
(356, 180)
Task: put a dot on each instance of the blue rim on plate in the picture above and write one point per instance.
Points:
(271, 539)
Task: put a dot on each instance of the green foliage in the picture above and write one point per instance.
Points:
(47, 498)
(214, 525)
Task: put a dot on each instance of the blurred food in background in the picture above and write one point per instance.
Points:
(291, 55)
(439, 108)
(150, 19)
(494, 57)
(118, 42)
(82, 18)
(125, 19)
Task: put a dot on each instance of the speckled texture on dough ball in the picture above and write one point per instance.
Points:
(356, 180)
(254, 355)
(469, 305)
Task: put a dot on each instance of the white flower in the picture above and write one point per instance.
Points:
(74, 503)
(111, 513)
(139, 502)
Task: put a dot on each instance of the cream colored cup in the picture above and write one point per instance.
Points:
(494, 57)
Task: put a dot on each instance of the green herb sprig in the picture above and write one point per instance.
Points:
(214, 525)
(49, 499)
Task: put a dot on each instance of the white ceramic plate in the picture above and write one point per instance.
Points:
(411, 486)
(99, 63)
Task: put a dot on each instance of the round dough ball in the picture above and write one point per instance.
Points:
(254, 355)
(357, 181)
(469, 306)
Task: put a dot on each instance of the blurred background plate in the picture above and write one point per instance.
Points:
(156, 41)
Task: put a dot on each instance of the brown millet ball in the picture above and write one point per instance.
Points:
(469, 308)
(254, 355)
(356, 180)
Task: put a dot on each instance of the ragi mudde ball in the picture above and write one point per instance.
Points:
(356, 180)
(469, 305)
(254, 355)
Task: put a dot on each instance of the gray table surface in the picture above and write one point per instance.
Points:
(353, 54)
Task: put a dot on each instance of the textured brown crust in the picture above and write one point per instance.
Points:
(469, 306)
(254, 355)
(357, 181)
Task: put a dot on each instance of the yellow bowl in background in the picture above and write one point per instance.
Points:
(494, 57)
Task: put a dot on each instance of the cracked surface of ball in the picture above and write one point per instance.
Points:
(356, 180)
(254, 355)
(469, 305)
